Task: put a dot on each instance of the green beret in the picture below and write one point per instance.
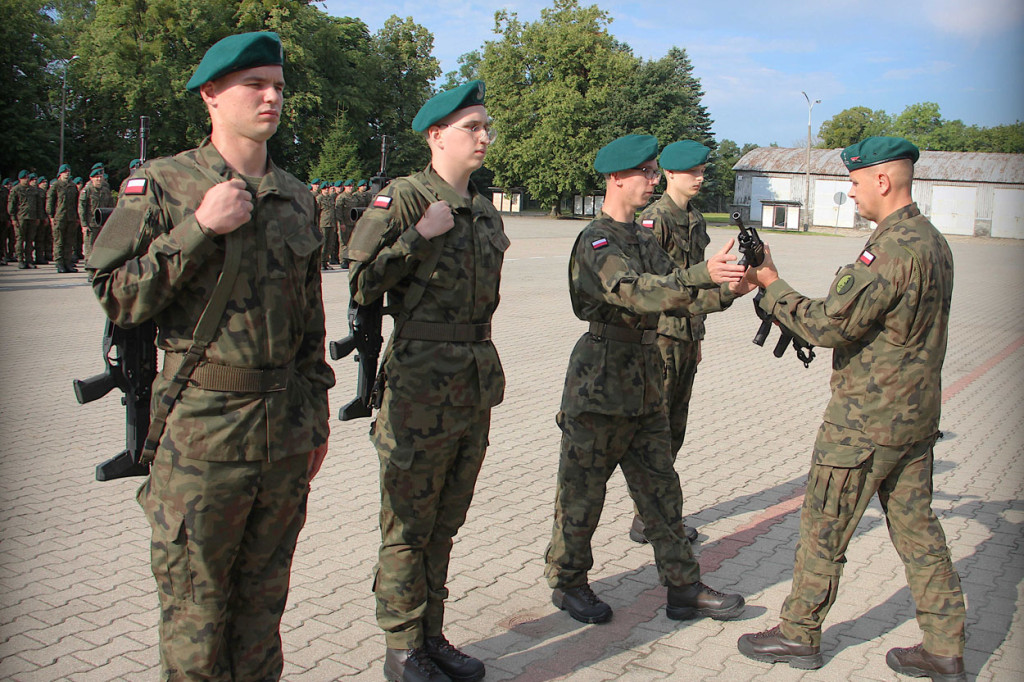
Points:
(441, 105)
(315, 181)
(876, 150)
(22, 174)
(98, 164)
(683, 155)
(362, 183)
(96, 172)
(626, 152)
(235, 53)
(63, 167)
(135, 164)
(41, 178)
(350, 183)
(77, 180)
(6, 182)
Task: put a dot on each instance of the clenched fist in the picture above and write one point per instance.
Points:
(226, 207)
(436, 220)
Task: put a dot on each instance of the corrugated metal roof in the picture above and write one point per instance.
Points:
(953, 166)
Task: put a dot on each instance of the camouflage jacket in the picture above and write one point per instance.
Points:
(5, 193)
(342, 210)
(325, 214)
(91, 198)
(153, 260)
(619, 275)
(60, 201)
(684, 236)
(386, 250)
(886, 318)
(22, 204)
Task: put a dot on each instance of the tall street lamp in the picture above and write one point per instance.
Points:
(807, 189)
(63, 105)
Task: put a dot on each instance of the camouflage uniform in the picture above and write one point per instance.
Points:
(431, 431)
(227, 493)
(23, 209)
(328, 225)
(5, 224)
(613, 410)
(344, 231)
(60, 204)
(684, 236)
(44, 234)
(348, 202)
(886, 317)
(91, 198)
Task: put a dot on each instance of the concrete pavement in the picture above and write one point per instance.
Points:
(77, 600)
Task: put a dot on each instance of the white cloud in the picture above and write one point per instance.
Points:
(976, 19)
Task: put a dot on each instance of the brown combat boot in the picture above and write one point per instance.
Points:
(771, 647)
(916, 662)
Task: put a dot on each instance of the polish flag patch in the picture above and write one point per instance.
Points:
(382, 201)
(648, 222)
(135, 186)
(866, 257)
(600, 243)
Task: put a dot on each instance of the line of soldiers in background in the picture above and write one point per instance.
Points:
(338, 205)
(42, 221)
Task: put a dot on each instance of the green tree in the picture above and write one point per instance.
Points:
(403, 75)
(339, 156)
(550, 84)
(852, 125)
(469, 69)
(27, 41)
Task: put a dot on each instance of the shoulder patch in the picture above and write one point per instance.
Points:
(382, 201)
(136, 186)
(648, 222)
(866, 257)
(600, 243)
(844, 284)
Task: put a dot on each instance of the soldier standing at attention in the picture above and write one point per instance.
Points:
(79, 244)
(325, 202)
(44, 236)
(60, 204)
(613, 411)
(21, 206)
(5, 220)
(436, 246)
(680, 229)
(886, 318)
(94, 196)
(226, 496)
(346, 202)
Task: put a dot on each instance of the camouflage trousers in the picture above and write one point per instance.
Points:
(680, 370)
(223, 538)
(330, 245)
(592, 446)
(64, 240)
(90, 236)
(430, 457)
(27, 231)
(846, 473)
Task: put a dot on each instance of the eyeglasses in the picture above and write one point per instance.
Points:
(650, 173)
(476, 130)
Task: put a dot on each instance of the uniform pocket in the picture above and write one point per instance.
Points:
(169, 551)
(842, 460)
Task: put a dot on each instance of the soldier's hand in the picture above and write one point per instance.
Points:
(721, 269)
(436, 220)
(765, 273)
(226, 207)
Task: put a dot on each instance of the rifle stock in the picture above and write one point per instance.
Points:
(366, 340)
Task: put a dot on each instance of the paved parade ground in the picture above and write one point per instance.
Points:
(78, 601)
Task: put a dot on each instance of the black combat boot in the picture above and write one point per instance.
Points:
(411, 665)
(771, 647)
(582, 604)
(636, 531)
(452, 662)
(916, 662)
(698, 599)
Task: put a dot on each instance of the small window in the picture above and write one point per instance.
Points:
(779, 217)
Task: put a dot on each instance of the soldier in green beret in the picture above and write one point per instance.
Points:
(62, 208)
(680, 229)
(22, 207)
(79, 235)
(621, 281)
(435, 246)
(886, 317)
(327, 222)
(217, 246)
(94, 196)
(346, 202)
(5, 221)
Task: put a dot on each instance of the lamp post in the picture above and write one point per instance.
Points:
(63, 105)
(807, 189)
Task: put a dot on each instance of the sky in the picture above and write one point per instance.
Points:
(754, 58)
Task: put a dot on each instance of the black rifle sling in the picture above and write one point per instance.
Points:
(205, 329)
(419, 281)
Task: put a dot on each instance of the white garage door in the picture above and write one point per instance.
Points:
(827, 213)
(761, 189)
(1008, 213)
(953, 209)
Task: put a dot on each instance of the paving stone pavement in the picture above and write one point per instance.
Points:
(77, 601)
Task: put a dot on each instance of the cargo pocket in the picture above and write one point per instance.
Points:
(842, 460)
(170, 554)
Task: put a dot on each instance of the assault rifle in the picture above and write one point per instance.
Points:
(752, 248)
(365, 338)
(130, 358)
